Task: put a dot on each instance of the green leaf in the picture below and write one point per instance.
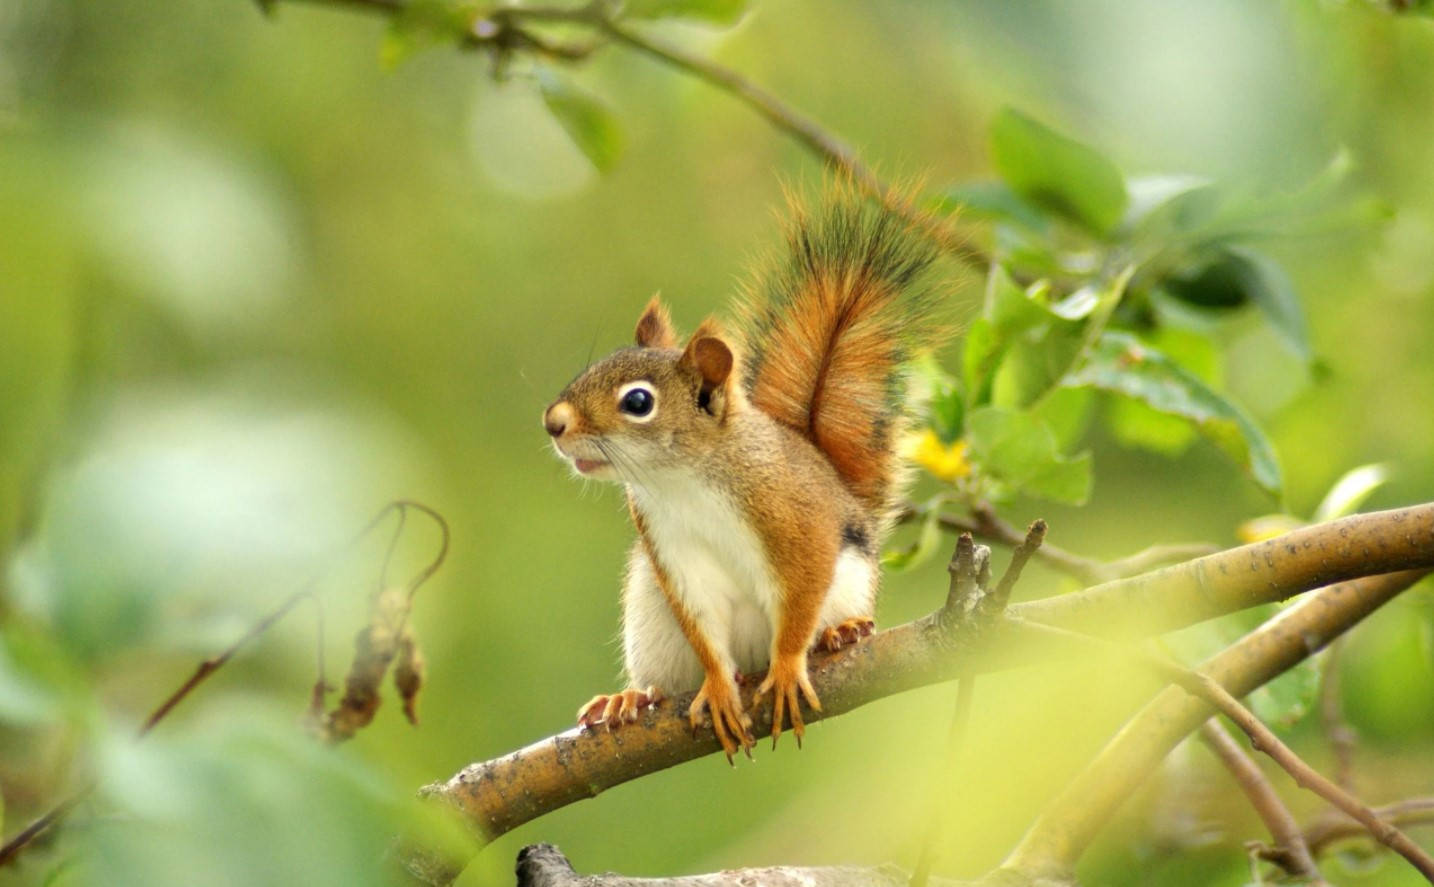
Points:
(928, 540)
(980, 355)
(1067, 411)
(1122, 364)
(418, 26)
(1350, 491)
(1019, 450)
(721, 12)
(1234, 276)
(1283, 702)
(1274, 294)
(1135, 424)
(23, 699)
(584, 117)
(1057, 172)
(1030, 344)
(1213, 282)
(991, 200)
(1168, 204)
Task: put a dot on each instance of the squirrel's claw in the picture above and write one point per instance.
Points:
(617, 708)
(787, 677)
(845, 634)
(729, 721)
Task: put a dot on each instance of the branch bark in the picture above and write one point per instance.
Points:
(508, 28)
(986, 525)
(1296, 858)
(543, 865)
(498, 795)
(1067, 826)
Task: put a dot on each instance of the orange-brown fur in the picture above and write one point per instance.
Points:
(830, 333)
(791, 426)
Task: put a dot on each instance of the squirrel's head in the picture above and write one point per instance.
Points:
(649, 407)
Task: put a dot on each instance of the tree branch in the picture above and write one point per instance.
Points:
(508, 28)
(498, 795)
(1067, 826)
(1326, 831)
(543, 865)
(987, 526)
(1263, 739)
(1296, 859)
(205, 669)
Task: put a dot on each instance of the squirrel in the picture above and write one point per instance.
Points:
(760, 466)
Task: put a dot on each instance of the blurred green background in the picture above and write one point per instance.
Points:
(253, 285)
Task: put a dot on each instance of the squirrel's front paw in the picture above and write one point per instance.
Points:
(787, 675)
(729, 721)
(617, 708)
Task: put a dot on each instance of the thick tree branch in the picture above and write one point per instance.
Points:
(1263, 739)
(1247, 576)
(1063, 831)
(498, 795)
(543, 865)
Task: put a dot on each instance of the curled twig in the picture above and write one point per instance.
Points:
(209, 666)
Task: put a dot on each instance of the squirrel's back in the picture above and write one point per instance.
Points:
(828, 331)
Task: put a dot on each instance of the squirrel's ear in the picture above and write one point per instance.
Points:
(712, 359)
(654, 327)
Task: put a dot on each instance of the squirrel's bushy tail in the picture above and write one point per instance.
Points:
(828, 329)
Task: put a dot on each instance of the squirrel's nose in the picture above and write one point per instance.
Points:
(557, 418)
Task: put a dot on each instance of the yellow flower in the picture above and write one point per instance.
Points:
(947, 462)
(1267, 527)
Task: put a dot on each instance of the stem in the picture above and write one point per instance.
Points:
(1295, 853)
(1066, 827)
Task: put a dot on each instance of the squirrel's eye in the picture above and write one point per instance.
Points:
(637, 402)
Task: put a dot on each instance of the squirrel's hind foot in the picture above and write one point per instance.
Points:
(729, 721)
(845, 634)
(787, 677)
(617, 708)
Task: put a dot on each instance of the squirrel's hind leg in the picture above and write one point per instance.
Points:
(844, 634)
(850, 602)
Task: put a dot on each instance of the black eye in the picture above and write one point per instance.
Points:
(637, 402)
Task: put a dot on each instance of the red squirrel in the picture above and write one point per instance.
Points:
(760, 466)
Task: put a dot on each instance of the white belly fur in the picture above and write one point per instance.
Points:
(719, 571)
(717, 566)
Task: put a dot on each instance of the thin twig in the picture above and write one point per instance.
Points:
(503, 31)
(805, 130)
(970, 569)
(1296, 857)
(1029, 546)
(1263, 739)
(1065, 828)
(208, 667)
(955, 740)
(984, 524)
(1410, 811)
(1342, 738)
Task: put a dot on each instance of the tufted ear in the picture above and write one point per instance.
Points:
(711, 358)
(654, 327)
